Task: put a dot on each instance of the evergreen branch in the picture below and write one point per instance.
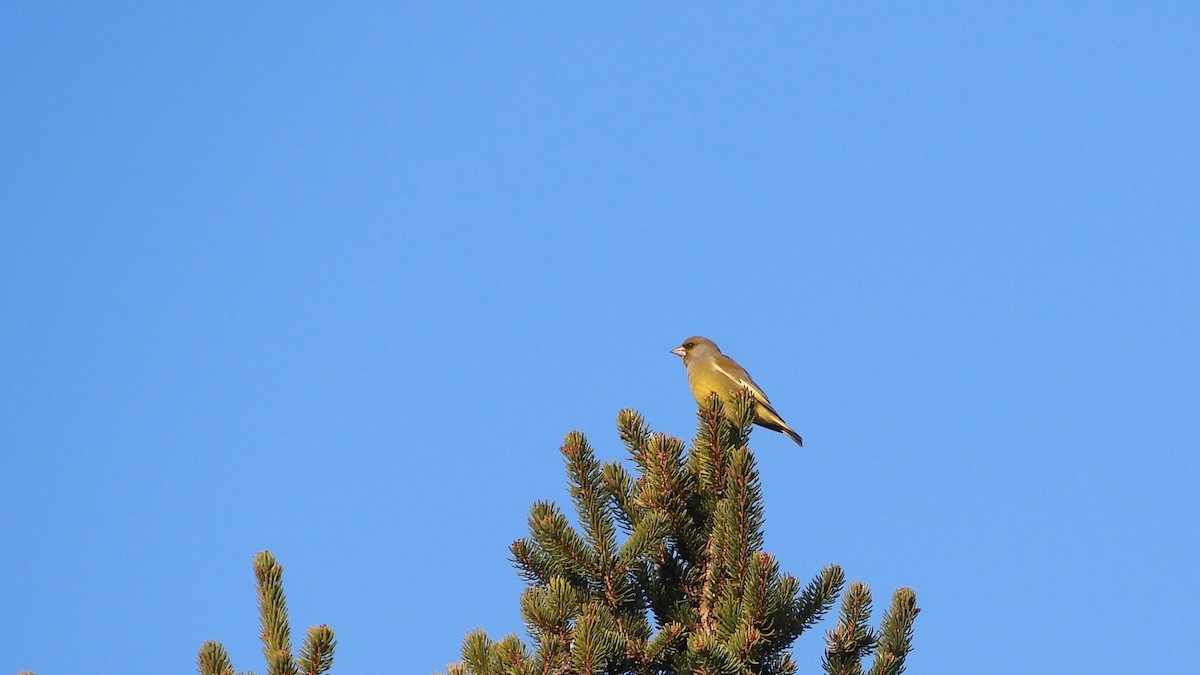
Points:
(739, 517)
(567, 552)
(720, 428)
(531, 561)
(668, 488)
(482, 656)
(622, 491)
(711, 656)
(213, 659)
(744, 643)
(477, 653)
(817, 599)
(736, 537)
(272, 607)
(725, 602)
(624, 611)
(316, 657)
(895, 641)
(776, 617)
(710, 595)
(632, 429)
(317, 654)
(595, 643)
(741, 418)
(586, 488)
(752, 618)
(717, 601)
(780, 664)
(648, 536)
(852, 638)
(768, 594)
(549, 612)
(664, 585)
(707, 460)
(512, 657)
(667, 637)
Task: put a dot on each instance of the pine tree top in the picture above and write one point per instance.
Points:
(664, 572)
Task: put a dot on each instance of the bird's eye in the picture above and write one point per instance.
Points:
(689, 345)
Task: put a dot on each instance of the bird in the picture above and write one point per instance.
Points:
(708, 370)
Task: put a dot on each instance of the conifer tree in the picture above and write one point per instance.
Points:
(666, 572)
(316, 656)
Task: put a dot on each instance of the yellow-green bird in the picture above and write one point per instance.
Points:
(709, 370)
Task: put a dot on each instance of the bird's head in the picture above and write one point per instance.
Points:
(695, 347)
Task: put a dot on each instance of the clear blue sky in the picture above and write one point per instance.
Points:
(335, 280)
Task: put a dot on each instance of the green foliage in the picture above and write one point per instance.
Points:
(852, 638)
(214, 660)
(895, 641)
(316, 656)
(666, 572)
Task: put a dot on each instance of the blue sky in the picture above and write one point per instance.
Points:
(335, 281)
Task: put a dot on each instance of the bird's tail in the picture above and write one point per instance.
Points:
(795, 436)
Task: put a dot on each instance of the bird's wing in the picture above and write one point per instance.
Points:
(729, 368)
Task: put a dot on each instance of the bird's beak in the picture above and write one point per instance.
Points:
(678, 351)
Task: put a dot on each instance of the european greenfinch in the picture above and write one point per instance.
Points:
(709, 370)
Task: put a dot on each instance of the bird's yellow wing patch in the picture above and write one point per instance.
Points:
(743, 380)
